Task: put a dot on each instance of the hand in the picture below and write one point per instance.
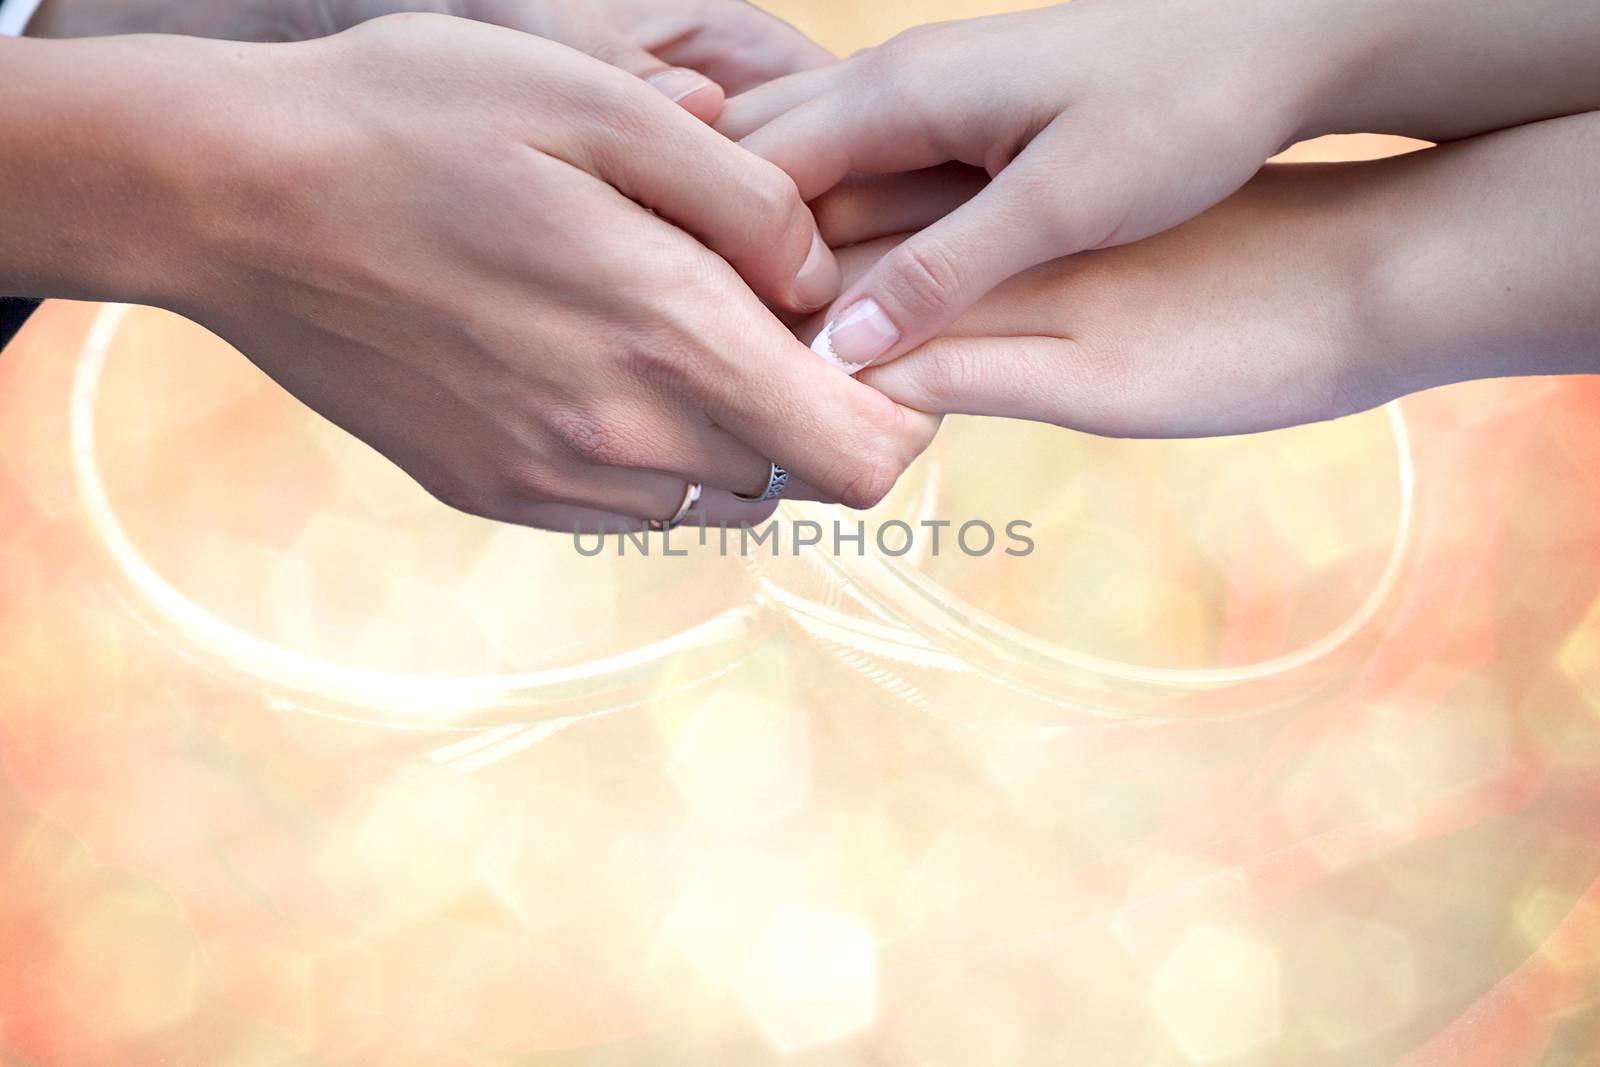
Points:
(732, 42)
(1316, 291)
(474, 282)
(1102, 122)
(691, 51)
(1224, 325)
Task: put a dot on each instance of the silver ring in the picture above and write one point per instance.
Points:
(777, 482)
(691, 497)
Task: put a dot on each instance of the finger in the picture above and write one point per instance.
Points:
(717, 510)
(821, 141)
(682, 450)
(637, 496)
(847, 442)
(740, 206)
(685, 451)
(1040, 379)
(737, 45)
(865, 207)
(918, 290)
(750, 111)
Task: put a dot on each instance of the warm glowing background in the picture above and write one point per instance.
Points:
(300, 768)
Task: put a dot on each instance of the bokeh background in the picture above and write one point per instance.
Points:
(1279, 750)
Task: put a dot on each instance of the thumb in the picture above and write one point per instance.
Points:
(921, 288)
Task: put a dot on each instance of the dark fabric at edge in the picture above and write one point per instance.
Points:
(13, 313)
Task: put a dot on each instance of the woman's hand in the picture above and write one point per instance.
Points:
(1315, 292)
(1102, 122)
(496, 285)
(1106, 121)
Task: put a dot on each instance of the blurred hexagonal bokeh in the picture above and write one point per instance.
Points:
(1257, 762)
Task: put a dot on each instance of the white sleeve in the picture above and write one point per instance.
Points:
(14, 16)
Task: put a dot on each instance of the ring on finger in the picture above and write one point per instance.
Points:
(691, 499)
(777, 481)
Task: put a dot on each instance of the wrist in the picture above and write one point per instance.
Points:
(242, 20)
(1267, 43)
(1425, 293)
(1356, 42)
(113, 164)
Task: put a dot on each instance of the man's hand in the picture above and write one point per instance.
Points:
(497, 285)
(691, 50)
(518, 272)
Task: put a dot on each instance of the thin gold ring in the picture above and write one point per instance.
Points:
(691, 498)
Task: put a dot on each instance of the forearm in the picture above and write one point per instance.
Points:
(240, 20)
(1491, 265)
(1441, 70)
(110, 163)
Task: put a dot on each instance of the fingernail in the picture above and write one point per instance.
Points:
(818, 280)
(676, 85)
(858, 337)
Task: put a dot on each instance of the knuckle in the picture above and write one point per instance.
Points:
(839, 211)
(956, 372)
(774, 210)
(929, 276)
(777, 194)
(589, 438)
(882, 419)
(868, 480)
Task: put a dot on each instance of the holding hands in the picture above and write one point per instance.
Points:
(534, 275)
(1103, 122)
(1312, 293)
(527, 277)
(567, 307)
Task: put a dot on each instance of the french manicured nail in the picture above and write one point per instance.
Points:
(818, 280)
(675, 85)
(854, 339)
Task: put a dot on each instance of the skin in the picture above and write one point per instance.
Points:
(1107, 121)
(732, 42)
(693, 50)
(1316, 291)
(540, 293)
